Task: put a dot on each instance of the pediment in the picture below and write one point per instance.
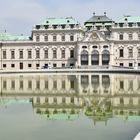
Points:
(93, 36)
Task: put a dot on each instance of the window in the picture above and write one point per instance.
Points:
(54, 65)
(45, 53)
(63, 38)
(63, 65)
(121, 36)
(37, 53)
(94, 47)
(63, 53)
(72, 84)
(21, 85)
(63, 85)
(71, 53)
(29, 54)
(54, 54)
(130, 52)
(4, 65)
(138, 64)
(38, 85)
(46, 38)
(130, 36)
(4, 54)
(121, 52)
(29, 65)
(138, 52)
(46, 84)
(21, 54)
(71, 38)
(121, 85)
(54, 84)
(29, 84)
(4, 84)
(139, 36)
(121, 64)
(12, 84)
(130, 64)
(54, 38)
(12, 54)
(12, 65)
(37, 38)
(84, 47)
(37, 65)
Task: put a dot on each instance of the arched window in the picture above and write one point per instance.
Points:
(84, 57)
(95, 57)
(105, 57)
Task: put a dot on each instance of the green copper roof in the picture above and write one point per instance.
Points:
(99, 19)
(59, 21)
(129, 19)
(8, 37)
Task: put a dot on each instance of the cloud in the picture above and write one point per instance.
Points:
(18, 16)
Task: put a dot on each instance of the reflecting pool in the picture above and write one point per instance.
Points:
(69, 107)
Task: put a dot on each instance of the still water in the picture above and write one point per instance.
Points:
(69, 107)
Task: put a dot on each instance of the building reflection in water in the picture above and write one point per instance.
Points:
(62, 97)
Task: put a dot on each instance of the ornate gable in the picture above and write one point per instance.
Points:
(93, 36)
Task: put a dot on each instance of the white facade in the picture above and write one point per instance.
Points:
(65, 43)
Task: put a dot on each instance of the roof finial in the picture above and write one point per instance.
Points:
(104, 13)
(94, 13)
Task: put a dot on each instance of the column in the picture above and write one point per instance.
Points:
(89, 60)
(100, 59)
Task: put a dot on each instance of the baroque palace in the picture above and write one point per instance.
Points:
(63, 42)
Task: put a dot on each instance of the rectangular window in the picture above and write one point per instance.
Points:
(4, 54)
(37, 54)
(37, 38)
(29, 54)
(54, 84)
(37, 66)
(29, 84)
(12, 65)
(46, 38)
(4, 65)
(46, 84)
(121, 52)
(45, 53)
(130, 37)
(21, 85)
(12, 54)
(29, 65)
(130, 53)
(71, 53)
(4, 84)
(63, 65)
(121, 64)
(38, 85)
(138, 64)
(63, 84)
(121, 85)
(121, 37)
(63, 53)
(54, 65)
(72, 84)
(138, 52)
(21, 54)
(71, 38)
(139, 36)
(12, 84)
(54, 38)
(130, 64)
(54, 54)
(63, 38)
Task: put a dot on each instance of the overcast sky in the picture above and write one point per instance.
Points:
(19, 16)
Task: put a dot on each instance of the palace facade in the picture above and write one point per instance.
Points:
(63, 42)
